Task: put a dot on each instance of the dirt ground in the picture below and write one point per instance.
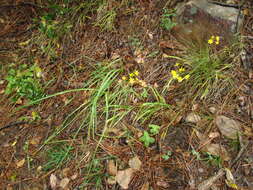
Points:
(26, 143)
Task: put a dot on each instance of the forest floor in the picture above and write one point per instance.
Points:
(99, 94)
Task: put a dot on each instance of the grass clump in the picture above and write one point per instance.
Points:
(207, 71)
(57, 156)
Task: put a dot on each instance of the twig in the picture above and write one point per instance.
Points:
(225, 4)
(13, 124)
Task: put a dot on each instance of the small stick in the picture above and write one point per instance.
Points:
(13, 124)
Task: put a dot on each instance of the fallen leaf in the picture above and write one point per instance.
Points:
(35, 140)
(228, 127)
(111, 180)
(73, 177)
(135, 163)
(20, 163)
(230, 181)
(64, 182)
(217, 150)
(192, 118)
(145, 186)
(163, 184)
(65, 172)
(111, 168)
(53, 181)
(214, 135)
(124, 177)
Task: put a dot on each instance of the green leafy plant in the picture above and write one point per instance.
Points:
(209, 158)
(154, 129)
(24, 83)
(166, 20)
(146, 137)
(167, 155)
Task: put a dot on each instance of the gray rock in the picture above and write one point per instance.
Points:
(198, 20)
(228, 127)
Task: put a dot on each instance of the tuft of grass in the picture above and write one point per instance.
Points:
(57, 156)
(209, 71)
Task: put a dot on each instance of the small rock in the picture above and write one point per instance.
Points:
(228, 127)
(192, 118)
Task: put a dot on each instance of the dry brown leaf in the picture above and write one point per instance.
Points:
(145, 186)
(35, 140)
(53, 181)
(135, 163)
(111, 180)
(217, 150)
(20, 163)
(64, 183)
(73, 177)
(214, 135)
(111, 168)
(124, 177)
(192, 118)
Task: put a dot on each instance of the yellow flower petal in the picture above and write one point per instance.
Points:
(210, 41)
(131, 74)
(181, 69)
(174, 74)
(136, 73)
(180, 79)
(124, 78)
(177, 64)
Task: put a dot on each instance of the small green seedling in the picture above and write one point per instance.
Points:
(154, 129)
(146, 139)
(167, 156)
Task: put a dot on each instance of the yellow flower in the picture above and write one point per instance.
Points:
(131, 81)
(180, 79)
(217, 39)
(177, 64)
(210, 41)
(131, 74)
(174, 74)
(124, 78)
(187, 76)
(136, 73)
(181, 69)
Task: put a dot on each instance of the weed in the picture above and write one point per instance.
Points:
(167, 156)
(209, 158)
(106, 18)
(57, 156)
(166, 20)
(24, 83)
(208, 71)
(146, 137)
